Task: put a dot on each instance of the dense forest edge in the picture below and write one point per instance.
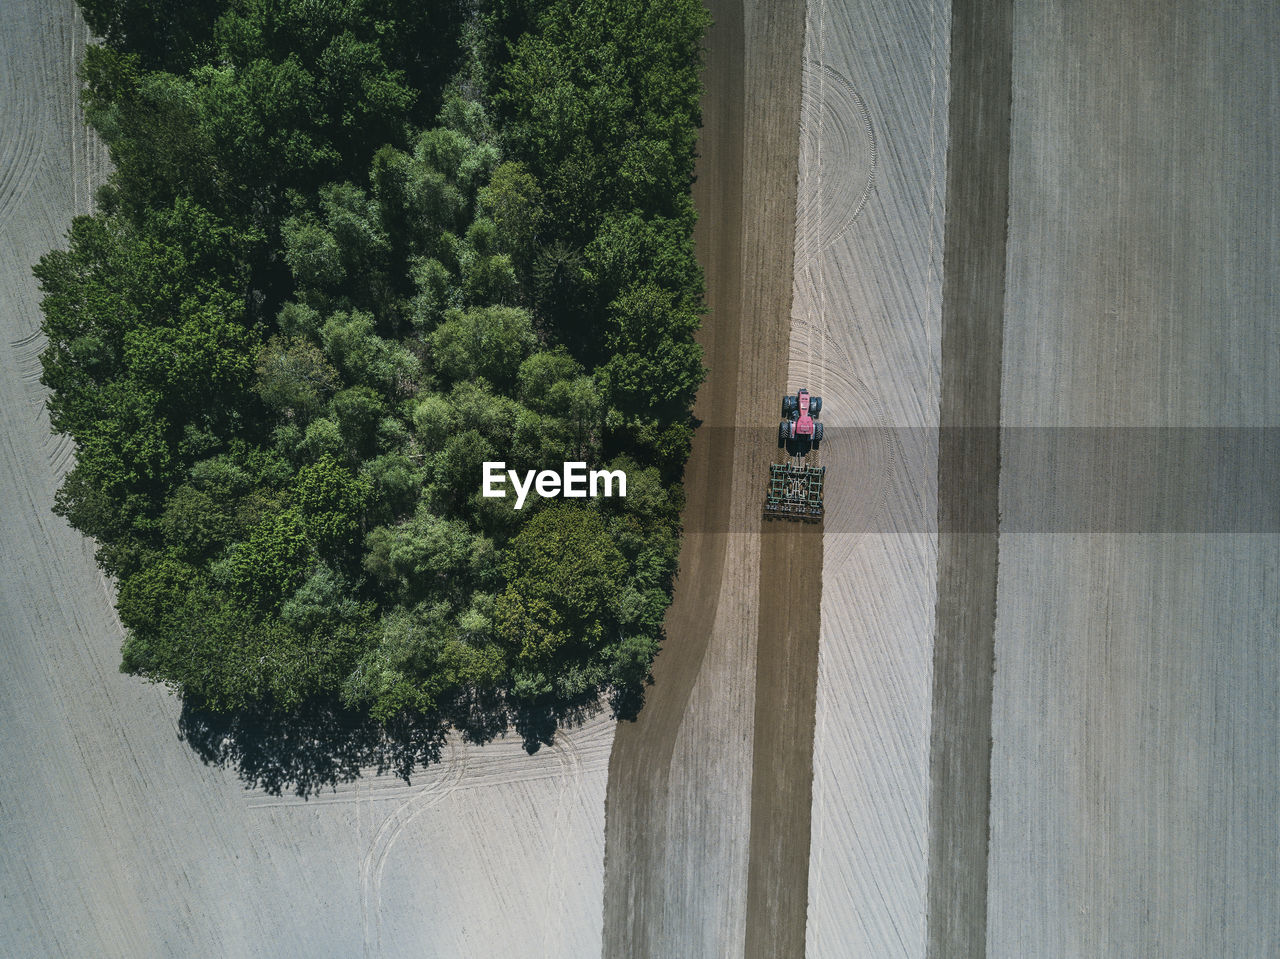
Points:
(349, 251)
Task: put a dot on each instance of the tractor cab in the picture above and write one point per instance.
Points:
(799, 430)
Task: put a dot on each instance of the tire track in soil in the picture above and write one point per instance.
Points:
(19, 149)
(385, 838)
(836, 130)
(782, 774)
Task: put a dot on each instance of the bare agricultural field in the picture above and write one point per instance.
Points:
(1136, 733)
(867, 333)
(118, 840)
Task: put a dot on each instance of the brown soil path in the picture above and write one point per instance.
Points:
(690, 804)
(782, 773)
(977, 203)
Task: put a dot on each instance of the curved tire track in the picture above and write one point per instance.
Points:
(838, 136)
(569, 757)
(21, 119)
(389, 832)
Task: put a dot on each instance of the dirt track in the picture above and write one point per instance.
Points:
(697, 814)
(782, 768)
(968, 475)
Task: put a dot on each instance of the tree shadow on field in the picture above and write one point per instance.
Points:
(317, 747)
(325, 743)
(537, 724)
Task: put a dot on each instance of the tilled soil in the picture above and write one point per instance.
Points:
(968, 475)
(867, 336)
(702, 812)
(1136, 720)
(782, 768)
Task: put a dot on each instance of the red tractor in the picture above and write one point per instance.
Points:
(800, 432)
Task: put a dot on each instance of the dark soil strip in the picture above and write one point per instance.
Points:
(782, 767)
(745, 195)
(968, 475)
(789, 590)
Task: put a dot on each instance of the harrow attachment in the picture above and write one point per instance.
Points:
(795, 491)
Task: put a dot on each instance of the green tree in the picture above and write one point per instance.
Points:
(422, 656)
(429, 558)
(271, 563)
(654, 365)
(164, 33)
(602, 103)
(562, 571)
(321, 289)
(488, 276)
(512, 200)
(358, 411)
(489, 342)
(331, 502)
(294, 377)
(196, 525)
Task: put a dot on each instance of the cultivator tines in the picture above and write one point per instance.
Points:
(795, 491)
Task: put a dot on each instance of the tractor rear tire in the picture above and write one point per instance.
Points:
(815, 405)
(817, 434)
(784, 434)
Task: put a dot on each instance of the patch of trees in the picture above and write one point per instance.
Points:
(350, 251)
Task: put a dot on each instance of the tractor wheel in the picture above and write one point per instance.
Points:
(817, 434)
(815, 405)
(784, 433)
(789, 406)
